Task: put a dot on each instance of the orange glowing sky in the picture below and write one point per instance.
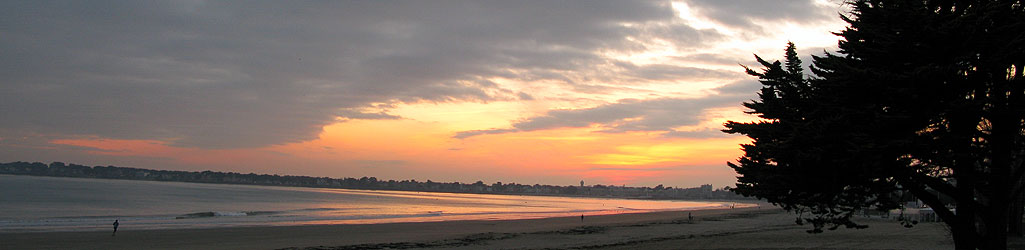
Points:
(642, 111)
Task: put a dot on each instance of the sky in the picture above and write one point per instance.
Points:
(533, 92)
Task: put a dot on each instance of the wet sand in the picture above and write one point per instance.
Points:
(742, 228)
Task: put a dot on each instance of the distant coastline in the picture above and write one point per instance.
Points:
(59, 169)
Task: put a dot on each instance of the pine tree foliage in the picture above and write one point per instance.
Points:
(795, 141)
(924, 98)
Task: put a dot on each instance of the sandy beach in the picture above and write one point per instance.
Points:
(742, 228)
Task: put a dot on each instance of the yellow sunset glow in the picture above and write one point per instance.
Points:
(638, 100)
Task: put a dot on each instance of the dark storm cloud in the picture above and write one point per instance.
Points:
(661, 115)
(746, 13)
(700, 134)
(713, 59)
(741, 88)
(247, 74)
(657, 115)
(355, 114)
(673, 72)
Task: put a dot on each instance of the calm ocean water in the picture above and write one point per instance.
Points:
(29, 203)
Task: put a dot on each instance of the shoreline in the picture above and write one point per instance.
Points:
(740, 228)
(391, 189)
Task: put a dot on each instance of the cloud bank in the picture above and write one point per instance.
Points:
(662, 115)
(214, 74)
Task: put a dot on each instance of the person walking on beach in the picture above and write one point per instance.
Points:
(581, 218)
(115, 228)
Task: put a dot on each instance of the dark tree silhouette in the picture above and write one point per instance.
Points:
(924, 98)
(795, 160)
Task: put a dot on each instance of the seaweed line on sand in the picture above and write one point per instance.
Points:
(483, 238)
(465, 241)
(680, 237)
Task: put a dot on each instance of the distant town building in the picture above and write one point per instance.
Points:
(60, 169)
(706, 188)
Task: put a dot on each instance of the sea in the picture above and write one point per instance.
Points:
(52, 204)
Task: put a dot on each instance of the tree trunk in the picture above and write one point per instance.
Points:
(964, 226)
(1014, 225)
(995, 236)
(964, 234)
(959, 221)
(1018, 206)
(1001, 145)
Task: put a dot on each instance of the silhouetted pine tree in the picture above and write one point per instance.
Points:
(924, 97)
